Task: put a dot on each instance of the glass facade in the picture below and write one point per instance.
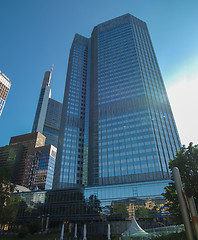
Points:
(41, 110)
(117, 126)
(42, 169)
(52, 122)
(133, 133)
(68, 171)
(103, 204)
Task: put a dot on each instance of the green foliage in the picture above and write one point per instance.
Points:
(23, 232)
(93, 205)
(5, 185)
(145, 213)
(31, 227)
(8, 202)
(118, 211)
(142, 212)
(10, 210)
(34, 227)
(187, 162)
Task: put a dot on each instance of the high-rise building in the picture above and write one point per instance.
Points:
(5, 85)
(48, 113)
(41, 110)
(31, 162)
(117, 126)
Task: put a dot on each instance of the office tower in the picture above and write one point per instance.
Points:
(117, 126)
(15, 156)
(5, 85)
(42, 169)
(68, 169)
(48, 113)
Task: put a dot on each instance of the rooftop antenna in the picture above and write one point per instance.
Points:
(50, 74)
(52, 68)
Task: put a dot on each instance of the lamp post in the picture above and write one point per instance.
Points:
(182, 202)
(192, 208)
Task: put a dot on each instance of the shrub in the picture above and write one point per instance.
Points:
(23, 232)
(34, 227)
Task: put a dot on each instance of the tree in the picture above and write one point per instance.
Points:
(10, 210)
(5, 185)
(118, 211)
(142, 212)
(8, 203)
(94, 205)
(145, 213)
(187, 162)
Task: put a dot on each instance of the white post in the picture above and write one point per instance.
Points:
(85, 233)
(75, 233)
(109, 232)
(62, 232)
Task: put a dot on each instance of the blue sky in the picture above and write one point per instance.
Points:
(36, 34)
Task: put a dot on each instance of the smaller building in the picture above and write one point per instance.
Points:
(42, 169)
(5, 85)
(31, 162)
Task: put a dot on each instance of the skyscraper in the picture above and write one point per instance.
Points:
(5, 85)
(48, 113)
(117, 126)
(41, 110)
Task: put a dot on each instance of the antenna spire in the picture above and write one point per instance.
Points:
(52, 69)
(50, 74)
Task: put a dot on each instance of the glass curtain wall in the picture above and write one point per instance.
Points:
(68, 171)
(133, 133)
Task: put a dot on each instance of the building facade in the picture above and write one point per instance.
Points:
(52, 122)
(5, 85)
(69, 168)
(41, 110)
(30, 161)
(15, 156)
(42, 169)
(48, 113)
(117, 126)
